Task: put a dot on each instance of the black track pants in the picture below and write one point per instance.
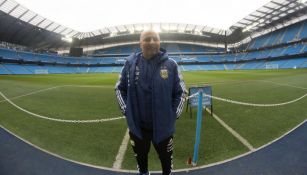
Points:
(141, 149)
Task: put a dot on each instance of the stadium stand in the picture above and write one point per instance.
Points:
(17, 62)
(279, 47)
(170, 47)
(289, 34)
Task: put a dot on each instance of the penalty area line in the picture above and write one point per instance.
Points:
(233, 132)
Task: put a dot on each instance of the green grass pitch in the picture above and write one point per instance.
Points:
(91, 96)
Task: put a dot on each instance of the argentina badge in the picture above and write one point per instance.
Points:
(164, 73)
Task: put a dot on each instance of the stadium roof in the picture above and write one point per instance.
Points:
(17, 10)
(97, 14)
(275, 10)
(44, 30)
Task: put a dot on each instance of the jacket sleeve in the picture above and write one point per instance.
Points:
(121, 88)
(179, 93)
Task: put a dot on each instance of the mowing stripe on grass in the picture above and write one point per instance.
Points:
(233, 132)
(121, 152)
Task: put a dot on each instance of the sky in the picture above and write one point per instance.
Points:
(90, 15)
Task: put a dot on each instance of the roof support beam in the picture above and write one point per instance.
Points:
(3, 3)
(62, 31)
(185, 29)
(243, 23)
(117, 29)
(194, 28)
(13, 9)
(266, 13)
(23, 14)
(109, 30)
(257, 16)
(126, 28)
(277, 3)
(279, 10)
(40, 22)
(48, 25)
(249, 20)
(100, 32)
(270, 8)
(31, 19)
(56, 28)
(275, 11)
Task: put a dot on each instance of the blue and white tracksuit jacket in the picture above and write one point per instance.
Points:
(168, 92)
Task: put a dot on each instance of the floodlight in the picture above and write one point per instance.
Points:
(131, 30)
(157, 29)
(113, 34)
(250, 26)
(146, 27)
(67, 39)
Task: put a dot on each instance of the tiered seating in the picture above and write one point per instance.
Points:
(107, 60)
(8, 53)
(82, 69)
(188, 59)
(126, 49)
(27, 56)
(303, 65)
(292, 63)
(3, 70)
(17, 69)
(211, 67)
(191, 67)
(170, 47)
(263, 64)
(290, 54)
(203, 58)
(104, 69)
(290, 50)
(197, 48)
(250, 65)
(289, 34)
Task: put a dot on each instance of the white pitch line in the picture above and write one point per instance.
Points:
(34, 92)
(92, 86)
(233, 132)
(121, 152)
(57, 119)
(282, 84)
(42, 90)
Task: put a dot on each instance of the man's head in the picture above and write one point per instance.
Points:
(149, 43)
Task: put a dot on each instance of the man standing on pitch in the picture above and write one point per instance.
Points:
(150, 92)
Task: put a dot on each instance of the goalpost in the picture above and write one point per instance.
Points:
(41, 71)
(271, 66)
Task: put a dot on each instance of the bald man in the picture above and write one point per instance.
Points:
(150, 93)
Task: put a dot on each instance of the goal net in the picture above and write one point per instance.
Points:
(271, 66)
